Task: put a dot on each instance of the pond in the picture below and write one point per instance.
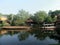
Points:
(23, 37)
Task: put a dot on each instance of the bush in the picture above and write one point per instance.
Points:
(1, 25)
(22, 24)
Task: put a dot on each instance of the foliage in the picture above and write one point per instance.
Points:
(1, 25)
(54, 13)
(23, 36)
(48, 19)
(19, 18)
(40, 16)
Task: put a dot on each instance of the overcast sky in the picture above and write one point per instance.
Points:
(13, 6)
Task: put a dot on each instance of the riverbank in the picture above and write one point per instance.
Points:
(49, 28)
(15, 27)
(28, 27)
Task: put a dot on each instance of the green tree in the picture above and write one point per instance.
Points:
(10, 18)
(19, 18)
(48, 19)
(50, 12)
(54, 13)
(23, 16)
(40, 16)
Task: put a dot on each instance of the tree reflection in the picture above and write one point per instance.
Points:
(38, 34)
(1, 35)
(23, 36)
(55, 37)
(41, 34)
(11, 33)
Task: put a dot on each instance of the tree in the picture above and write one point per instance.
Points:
(19, 18)
(10, 18)
(23, 16)
(48, 19)
(32, 17)
(50, 12)
(54, 13)
(40, 16)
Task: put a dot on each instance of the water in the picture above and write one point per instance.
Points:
(32, 37)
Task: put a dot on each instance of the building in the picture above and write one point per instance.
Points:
(3, 20)
(30, 22)
(58, 21)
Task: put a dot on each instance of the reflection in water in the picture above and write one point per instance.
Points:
(23, 36)
(32, 37)
(3, 32)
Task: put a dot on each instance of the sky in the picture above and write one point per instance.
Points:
(32, 6)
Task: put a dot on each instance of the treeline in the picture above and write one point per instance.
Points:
(40, 16)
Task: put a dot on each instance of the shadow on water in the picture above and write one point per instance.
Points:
(32, 37)
(56, 36)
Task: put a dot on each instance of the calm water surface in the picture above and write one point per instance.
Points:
(33, 37)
